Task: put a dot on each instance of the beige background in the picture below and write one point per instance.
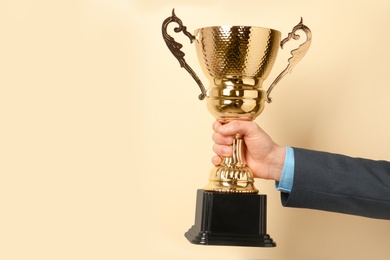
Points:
(103, 141)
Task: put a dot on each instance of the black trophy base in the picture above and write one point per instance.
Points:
(230, 219)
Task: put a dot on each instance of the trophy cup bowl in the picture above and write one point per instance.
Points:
(236, 60)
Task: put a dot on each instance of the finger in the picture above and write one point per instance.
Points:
(223, 150)
(221, 139)
(216, 125)
(216, 160)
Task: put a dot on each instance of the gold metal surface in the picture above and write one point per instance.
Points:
(236, 60)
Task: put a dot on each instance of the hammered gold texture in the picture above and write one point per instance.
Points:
(236, 59)
(237, 51)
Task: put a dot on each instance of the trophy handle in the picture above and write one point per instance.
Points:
(175, 47)
(297, 54)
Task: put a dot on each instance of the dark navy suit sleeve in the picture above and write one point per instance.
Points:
(339, 183)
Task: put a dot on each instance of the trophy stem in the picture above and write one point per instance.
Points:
(232, 176)
(237, 159)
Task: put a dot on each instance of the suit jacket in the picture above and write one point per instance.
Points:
(339, 183)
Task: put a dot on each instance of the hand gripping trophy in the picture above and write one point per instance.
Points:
(236, 60)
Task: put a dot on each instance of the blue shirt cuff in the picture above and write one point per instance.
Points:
(286, 180)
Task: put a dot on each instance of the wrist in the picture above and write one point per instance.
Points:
(278, 159)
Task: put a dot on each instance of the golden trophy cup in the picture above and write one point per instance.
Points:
(237, 60)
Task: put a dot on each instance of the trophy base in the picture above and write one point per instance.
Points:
(230, 219)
